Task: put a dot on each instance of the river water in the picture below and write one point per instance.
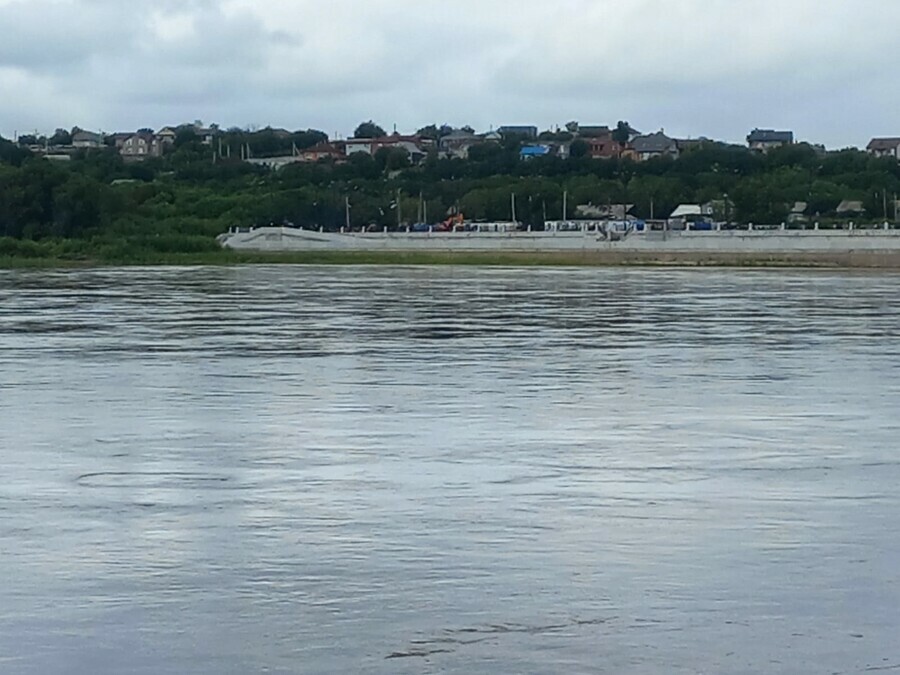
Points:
(449, 470)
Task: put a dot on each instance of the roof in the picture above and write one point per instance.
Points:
(851, 206)
(146, 135)
(593, 131)
(514, 129)
(657, 142)
(770, 136)
(686, 143)
(687, 210)
(200, 130)
(320, 148)
(883, 144)
(384, 140)
(534, 150)
(86, 136)
(459, 134)
(799, 207)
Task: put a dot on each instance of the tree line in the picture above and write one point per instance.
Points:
(191, 194)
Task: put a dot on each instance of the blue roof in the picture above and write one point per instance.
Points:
(534, 150)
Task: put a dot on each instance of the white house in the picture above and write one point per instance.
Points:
(87, 139)
(884, 147)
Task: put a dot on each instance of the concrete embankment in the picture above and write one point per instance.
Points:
(843, 248)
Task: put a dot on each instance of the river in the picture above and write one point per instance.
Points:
(449, 470)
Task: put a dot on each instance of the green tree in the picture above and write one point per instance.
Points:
(391, 159)
(308, 138)
(579, 148)
(431, 132)
(10, 153)
(186, 134)
(622, 133)
(369, 130)
(61, 137)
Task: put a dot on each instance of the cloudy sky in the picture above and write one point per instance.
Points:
(824, 68)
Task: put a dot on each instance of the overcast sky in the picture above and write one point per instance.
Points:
(717, 68)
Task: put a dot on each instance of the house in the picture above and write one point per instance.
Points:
(528, 132)
(354, 145)
(884, 147)
(321, 151)
(599, 139)
(414, 145)
(535, 150)
(692, 212)
(87, 139)
(117, 140)
(763, 140)
(850, 207)
(595, 131)
(654, 145)
(141, 145)
(458, 142)
(561, 149)
(603, 146)
(206, 134)
(687, 144)
(167, 135)
(797, 213)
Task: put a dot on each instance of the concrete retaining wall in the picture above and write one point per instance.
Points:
(728, 242)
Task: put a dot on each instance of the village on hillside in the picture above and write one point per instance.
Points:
(272, 149)
(277, 147)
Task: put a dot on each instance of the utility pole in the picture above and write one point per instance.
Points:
(399, 210)
(513, 200)
(347, 211)
(565, 205)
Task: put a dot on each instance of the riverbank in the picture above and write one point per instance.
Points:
(849, 259)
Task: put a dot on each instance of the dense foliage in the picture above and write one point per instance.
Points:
(180, 202)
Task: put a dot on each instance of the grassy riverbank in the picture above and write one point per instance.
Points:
(101, 257)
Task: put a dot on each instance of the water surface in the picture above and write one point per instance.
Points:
(449, 470)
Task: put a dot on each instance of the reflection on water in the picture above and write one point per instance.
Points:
(302, 470)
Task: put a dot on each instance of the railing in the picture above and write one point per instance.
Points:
(594, 228)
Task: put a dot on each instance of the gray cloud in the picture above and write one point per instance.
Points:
(695, 67)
